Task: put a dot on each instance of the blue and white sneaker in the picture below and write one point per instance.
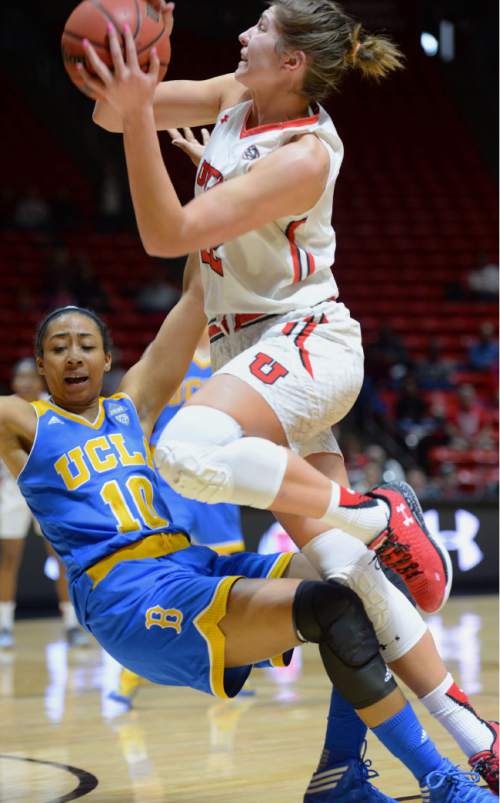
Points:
(344, 783)
(449, 784)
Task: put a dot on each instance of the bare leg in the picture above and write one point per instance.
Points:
(11, 553)
(259, 624)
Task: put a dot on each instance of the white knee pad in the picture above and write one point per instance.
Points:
(248, 471)
(201, 424)
(398, 625)
(339, 556)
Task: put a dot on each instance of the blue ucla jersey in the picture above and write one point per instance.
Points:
(92, 485)
(198, 372)
(216, 526)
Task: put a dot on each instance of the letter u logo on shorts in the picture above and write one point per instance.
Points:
(164, 617)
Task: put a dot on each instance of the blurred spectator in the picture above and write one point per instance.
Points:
(387, 357)
(469, 427)
(32, 211)
(482, 281)
(390, 469)
(158, 295)
(433, 372)
(483, 353)
(410, 408)
(110, 201)
(425, 487)
(448, 481)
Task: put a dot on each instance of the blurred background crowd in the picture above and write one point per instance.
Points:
(415, 215)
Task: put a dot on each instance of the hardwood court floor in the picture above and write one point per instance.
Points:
(59, 732)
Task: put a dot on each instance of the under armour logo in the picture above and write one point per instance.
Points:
(251, 153)
(462, 538)
(407, 520)
(55, 420)
(224, 119)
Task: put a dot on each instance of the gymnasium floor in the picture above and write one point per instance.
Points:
(61, 739)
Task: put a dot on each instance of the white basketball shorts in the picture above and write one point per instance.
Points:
(306, 364)
(15, 515)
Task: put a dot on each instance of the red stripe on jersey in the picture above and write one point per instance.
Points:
(311, 265)
(289, 327)
(300, 343)
(300, 121)
(294, 249)
(214, 330)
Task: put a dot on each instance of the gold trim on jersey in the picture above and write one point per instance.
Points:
(153, 546)
(227, 548)
(280, 565)
(42, 407)
(207, 623)
(202, 362)
(277, 570)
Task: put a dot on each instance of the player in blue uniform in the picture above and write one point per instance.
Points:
(174, 613)
(215, 526)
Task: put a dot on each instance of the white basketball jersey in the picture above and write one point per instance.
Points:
(285, 264)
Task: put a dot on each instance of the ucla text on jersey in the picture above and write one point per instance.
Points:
(92, 485)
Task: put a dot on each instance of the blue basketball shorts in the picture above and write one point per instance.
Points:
(159, 617)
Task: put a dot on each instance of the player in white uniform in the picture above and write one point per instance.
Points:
(288, 356)
(15, 522)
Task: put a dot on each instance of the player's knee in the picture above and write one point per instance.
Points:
(330, 613)
(203, 425)
(333, 616)
(248, 471)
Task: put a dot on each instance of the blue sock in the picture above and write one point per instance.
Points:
(345, 731)
(405, 738)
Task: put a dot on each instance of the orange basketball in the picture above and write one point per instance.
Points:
(89, 20)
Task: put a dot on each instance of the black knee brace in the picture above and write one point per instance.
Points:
(333, 616)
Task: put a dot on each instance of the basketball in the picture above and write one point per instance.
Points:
(90, 19)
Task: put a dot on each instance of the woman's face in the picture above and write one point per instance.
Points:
(260, 56)
(26, 381)
(74, 360)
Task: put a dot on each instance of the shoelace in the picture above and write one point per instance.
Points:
(366, 765)
(437, 779)
(486, 767)
(391, 548)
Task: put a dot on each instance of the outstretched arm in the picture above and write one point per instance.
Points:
(17, 432)
(288, 182)
(152, 381)
(178, 103)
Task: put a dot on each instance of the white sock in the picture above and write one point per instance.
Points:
(7, 615)
(68, 615)
(451, 707)
(363, 523)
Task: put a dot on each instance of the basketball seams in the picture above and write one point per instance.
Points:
(138, 17)
(104, 11)
(152, 42)
(80, 38)
(95, 14)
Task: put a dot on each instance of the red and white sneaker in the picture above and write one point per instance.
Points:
(407, 547)
(486, 762)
